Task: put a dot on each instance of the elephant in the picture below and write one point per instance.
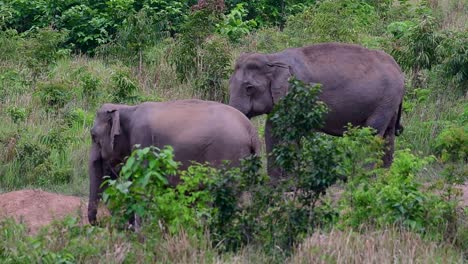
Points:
(360, 86)
(200, 131)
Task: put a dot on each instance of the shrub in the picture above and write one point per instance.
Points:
(214, 61)
(142, 190)
(12, 83)
(194, 31)
(170, 15)
(415, 49)
(415, 97)
(396, 198)
(233, 25)
(17, 114)
(42, 47)
(90, 87)
(452, 143)
(79, 118)
(56, 138)
(200, 54)
(124, 88)
(53, 95)
(453, 54)
(138, 32)
(340, 21)
(361, 152)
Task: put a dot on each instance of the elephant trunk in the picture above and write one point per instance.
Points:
(239, 105)
(95, 181)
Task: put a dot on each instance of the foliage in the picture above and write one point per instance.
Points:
(17, 114)
(200, 54)
(143, 191)
(213, 62)
(271, 12)
(53, 95)
(332, 20)
(50, 151)
(415, 97)
(194, 32)
(415, 49)
(233, 25)
(37, 160)
(90, 87)
(124, 87)
(453, 54)
(42, 47)
(138, 32)
(169, 14)
(78, 117)
(396, 198)
(452, 143)
(360, 149)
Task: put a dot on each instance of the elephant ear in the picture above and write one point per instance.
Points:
(115, 129)
(279, 80)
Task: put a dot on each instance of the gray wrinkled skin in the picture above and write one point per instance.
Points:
(200, 131)
(360, 86)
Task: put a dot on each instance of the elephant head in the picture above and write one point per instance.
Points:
(258, 82)
(109, 145)
(107, 132)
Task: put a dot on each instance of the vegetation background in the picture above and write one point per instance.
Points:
(60, 60)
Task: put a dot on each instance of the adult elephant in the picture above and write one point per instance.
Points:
(197, 130)
(360, 86)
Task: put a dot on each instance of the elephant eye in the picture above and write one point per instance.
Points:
(253, 67)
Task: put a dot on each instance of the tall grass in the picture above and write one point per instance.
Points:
(383, 246)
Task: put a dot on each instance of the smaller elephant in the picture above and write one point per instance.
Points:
(200, 131)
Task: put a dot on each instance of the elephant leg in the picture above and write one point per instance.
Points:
(385, 126)
(275, 172)
(95, 180)
(389, 138)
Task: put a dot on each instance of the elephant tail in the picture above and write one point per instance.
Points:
(398, 127)
(255, 143)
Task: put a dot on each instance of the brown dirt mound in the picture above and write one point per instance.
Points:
(37, 208)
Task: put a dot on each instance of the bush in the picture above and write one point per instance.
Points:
(79, 118)
(452, 143)
(17, 114)
(53, 95)
(194, 31)
(415, 49)
(143, 191)
(396, 198)
(214, 61)
(138, 32)
(361, 152)
(42, 47)
(90, 88)
(331, 20)
(233, 25)
(124, 88)
(200, 54)
(453, 54)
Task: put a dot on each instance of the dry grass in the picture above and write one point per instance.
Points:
(380, 247)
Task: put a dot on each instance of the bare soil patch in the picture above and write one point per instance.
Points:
(37, 208)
